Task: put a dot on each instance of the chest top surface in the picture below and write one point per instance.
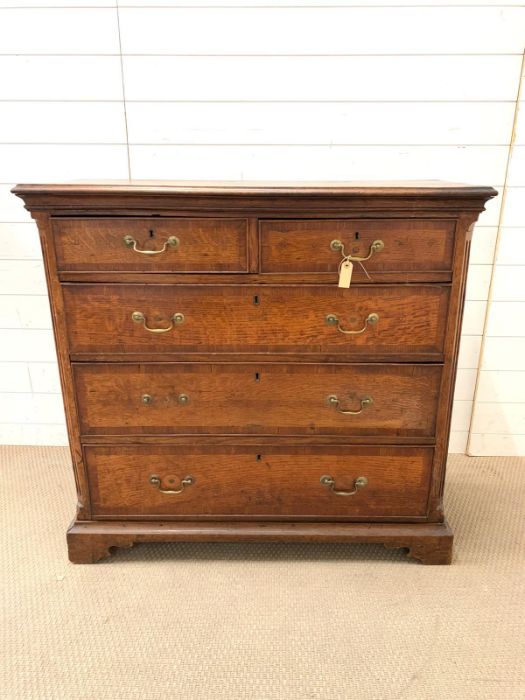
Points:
(121, 194)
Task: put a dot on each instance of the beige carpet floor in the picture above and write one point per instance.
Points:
(263, 621)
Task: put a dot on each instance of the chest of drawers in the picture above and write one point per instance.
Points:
(220, 385)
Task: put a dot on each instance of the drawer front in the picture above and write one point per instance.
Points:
(409, 245)
(384, 321)
(151, 244)
(394, 401)
(258, 482)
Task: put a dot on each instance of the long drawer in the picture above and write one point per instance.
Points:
(391, 245)
(386, 321)
(345, 483)
(154, 244)
(396, 401)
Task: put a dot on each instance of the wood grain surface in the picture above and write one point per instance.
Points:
(205, 244)
(257, 398)
(251, 318)
(423, 245)
(248, 483)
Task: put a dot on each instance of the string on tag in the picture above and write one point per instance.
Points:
(348, 259)
(365, 271)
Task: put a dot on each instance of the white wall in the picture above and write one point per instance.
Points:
(239, 89)
(498, 421)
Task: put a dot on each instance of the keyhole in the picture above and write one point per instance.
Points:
(258, 457)
(357, 235)
(151, 233)
(256, 299)
(257, 376)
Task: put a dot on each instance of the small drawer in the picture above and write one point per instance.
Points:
(155, 244)
(393, 402)
(379, 321)
(258, 482)
(398, 246)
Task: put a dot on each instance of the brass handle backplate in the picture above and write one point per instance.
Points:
(329, 482)
(130, 242)
(338, 246)
(156, 481)
(333, 320)
(365, 402)
(139, 317)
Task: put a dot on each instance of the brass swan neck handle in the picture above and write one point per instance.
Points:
(329, 482)
(139, 317)
(365, 402)
(130, 242)
(156, 481)
(333, 320)
(376, 247)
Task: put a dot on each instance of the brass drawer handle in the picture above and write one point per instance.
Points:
(365, 402)
(176, 319)
(155, 480)
(329, 482)
(333, 320)
(130, 242)
(376, 247)
(182, 399)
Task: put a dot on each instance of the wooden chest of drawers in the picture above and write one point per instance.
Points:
(220, 385)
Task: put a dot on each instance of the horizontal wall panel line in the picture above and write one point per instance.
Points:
(497, 371)
(80, 7)
(328, 101)
(30, 363)
(40, 393)
(292, 6)
(328, 144)
(260, 101)
(269, 144)
(46, 425)
(284, 5)
(295, 55)
(507, 435)
(388, 54)
(25, 362)
(22, 54)
(90, 101)
(124, 143)
(285, 144)
(301, 101)
(254, 55)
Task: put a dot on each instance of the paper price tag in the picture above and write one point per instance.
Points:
(345, 274)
